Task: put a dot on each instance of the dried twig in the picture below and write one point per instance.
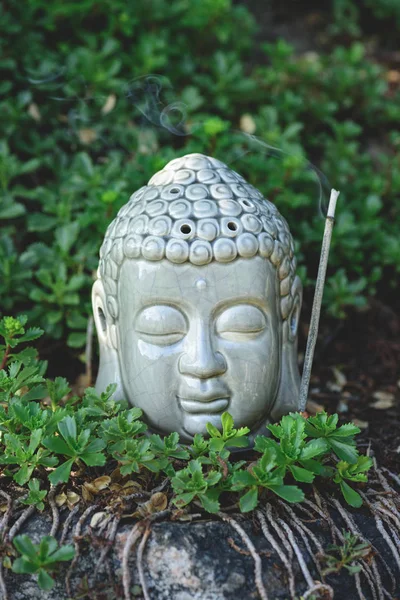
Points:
(256, 557)
(139, 562)
(268, 535)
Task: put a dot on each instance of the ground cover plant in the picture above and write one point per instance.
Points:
(53, 443)
(84, 125)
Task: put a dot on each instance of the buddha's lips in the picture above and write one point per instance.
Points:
(206, 405)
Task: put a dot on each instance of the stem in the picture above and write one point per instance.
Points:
(5, 357)
(316, 309)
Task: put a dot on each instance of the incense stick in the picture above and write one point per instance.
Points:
(319, 291)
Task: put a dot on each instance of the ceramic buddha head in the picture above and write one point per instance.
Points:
(197, 302)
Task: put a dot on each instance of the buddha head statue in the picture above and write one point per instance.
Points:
(197, 302)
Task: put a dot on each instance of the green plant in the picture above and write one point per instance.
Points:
(73, 431)
(346, 555)
(192, 483)
(77, 446)
(36, 495)
(293, 448)
(235, 438)
(27, 455)
(40, 559)
(354, 472)
(268, 474)
(338, 439)
(84, 130)
(12, 330)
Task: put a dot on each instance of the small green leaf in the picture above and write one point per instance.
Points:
(62, 473)
(24, 545)
(67, 428)
(344, 451)
(351, 496)
(209, 504)
(249, 501)
(290, 493)
(63, 553)
(227, 423)
(23, 565)
(213, 431)
(45, 582)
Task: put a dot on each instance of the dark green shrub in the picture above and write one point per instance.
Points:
(87, 122)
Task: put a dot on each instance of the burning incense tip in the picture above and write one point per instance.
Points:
(332, 203)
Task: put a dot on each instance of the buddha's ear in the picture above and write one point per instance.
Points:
(294, 316)
(287, 399)
(104, 325)
(109, 369)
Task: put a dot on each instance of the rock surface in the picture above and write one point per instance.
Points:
(199, 560)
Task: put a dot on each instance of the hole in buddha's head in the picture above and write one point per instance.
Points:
(232, 226)
(247, 203)
(174, 191)
(102, 318)
(185, 228)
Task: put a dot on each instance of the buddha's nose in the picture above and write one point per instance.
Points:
(200, 358)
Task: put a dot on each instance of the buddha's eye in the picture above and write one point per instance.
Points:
(240, 323)
(162, 325)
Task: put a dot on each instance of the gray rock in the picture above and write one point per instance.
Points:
(203, 560)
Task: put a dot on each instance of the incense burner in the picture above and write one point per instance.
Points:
(197, 302)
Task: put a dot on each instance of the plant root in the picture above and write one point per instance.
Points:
(318, 587)
(67, 523)
(268, 535)
(306, 573)
(132, 538)
(160, 487)
(76, 535)
(382, 530)
(111, 533)
(256, 557)
(3, 587)
(305, 535)
(139, 562)
(312, 585)
(372, 574)
(280, 533)
(395, 477)
(24, 516)
(54, 512)
(7, 514)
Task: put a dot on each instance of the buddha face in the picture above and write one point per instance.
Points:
(195, 341)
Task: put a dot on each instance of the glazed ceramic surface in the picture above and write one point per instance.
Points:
(197, 301)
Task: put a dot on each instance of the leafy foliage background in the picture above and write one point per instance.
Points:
(97, 96)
